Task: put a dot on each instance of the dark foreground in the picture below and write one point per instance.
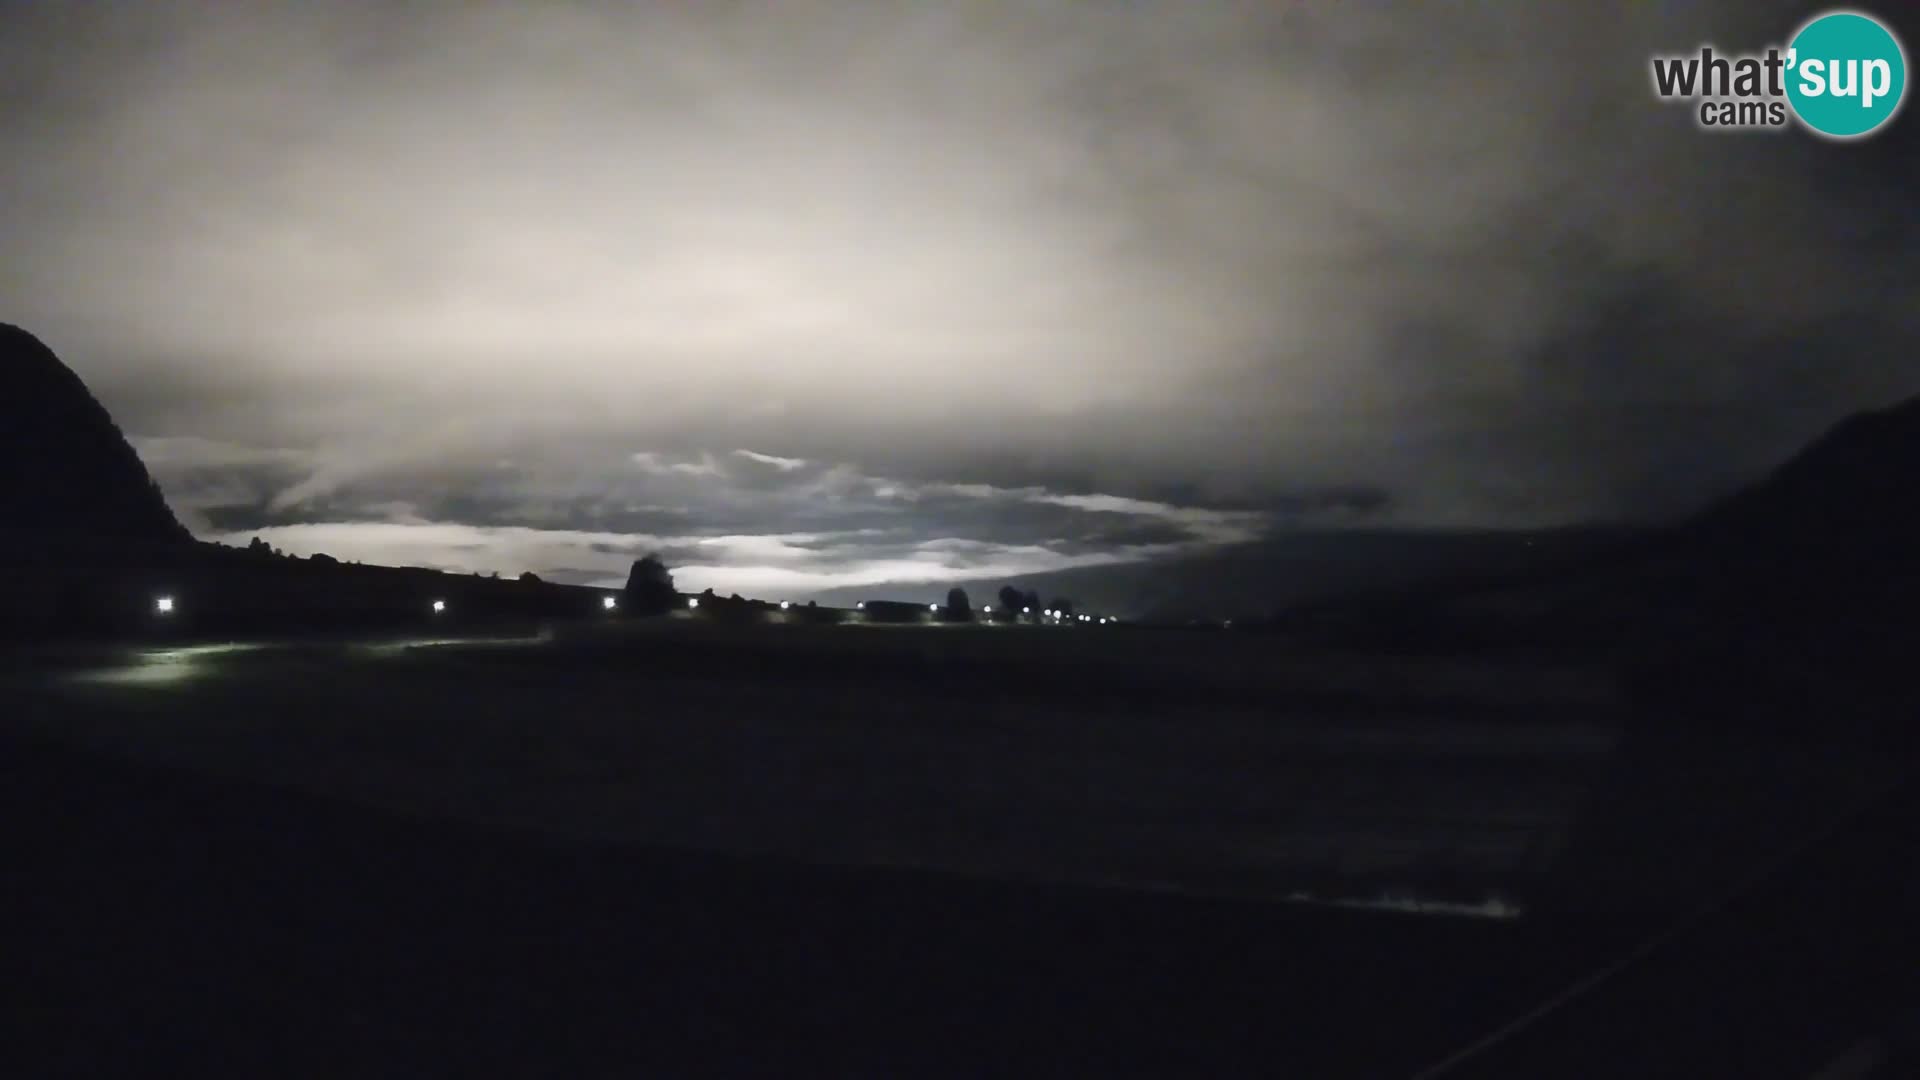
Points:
(162, 925)
(157, 924)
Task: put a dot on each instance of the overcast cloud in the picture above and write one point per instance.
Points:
(838, 292)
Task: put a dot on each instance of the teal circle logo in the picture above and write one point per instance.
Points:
(1846, 74)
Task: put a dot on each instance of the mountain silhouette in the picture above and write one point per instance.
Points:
(1817, 564)
(1791, 605)
(66, 469)
(1843, 506)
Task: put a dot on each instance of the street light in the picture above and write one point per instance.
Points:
(608, 603)
(163, 605)
(933, 607)
(693, 601)
(784, 605)
(439, 606)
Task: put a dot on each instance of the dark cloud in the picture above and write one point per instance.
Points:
(842, 528)
(686, 271)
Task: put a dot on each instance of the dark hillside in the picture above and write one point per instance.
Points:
(65, 468)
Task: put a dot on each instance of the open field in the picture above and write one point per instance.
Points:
(849, 850)
(174, 926)
(1202, 763)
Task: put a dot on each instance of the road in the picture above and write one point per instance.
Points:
(1809, 969)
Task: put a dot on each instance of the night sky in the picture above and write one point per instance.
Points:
(818, 294)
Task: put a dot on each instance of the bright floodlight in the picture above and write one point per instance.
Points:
(163, 605)
(862, 605)
(1026, 611)
(784, 605)
(693, 601)
(933, 607)
(439, 606)
(608, 603)
(988, 609)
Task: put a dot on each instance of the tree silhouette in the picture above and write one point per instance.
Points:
(649, 588)
(530, 578)
(959, 607)
(1011, 600)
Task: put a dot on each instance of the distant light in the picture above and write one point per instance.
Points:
(988, 609)
(439, 606)
(862, 605)
(693, 601)
(163, 605)
(933, 607)
(1026, 611)
(1103, 620)
(609, 603)
(784, 605)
